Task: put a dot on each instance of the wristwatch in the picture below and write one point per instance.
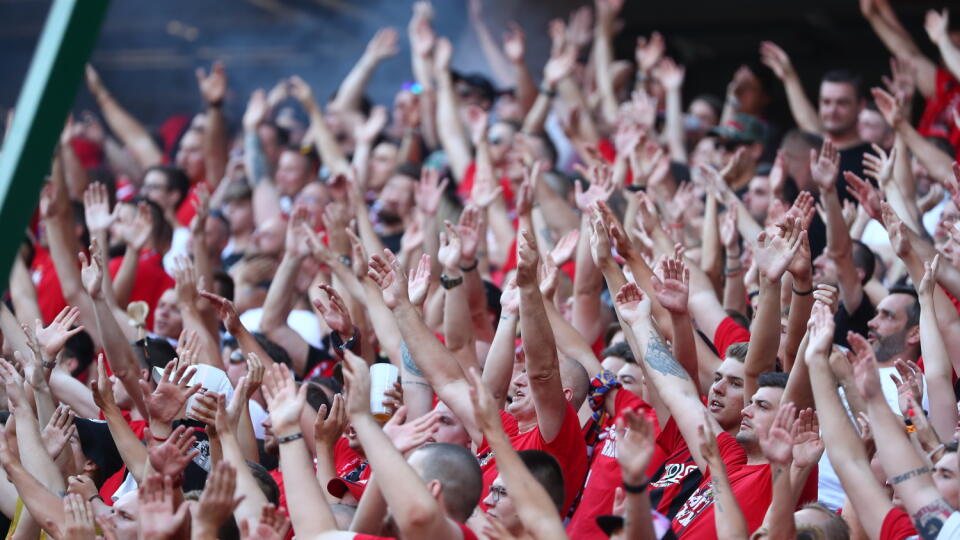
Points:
(448, 283)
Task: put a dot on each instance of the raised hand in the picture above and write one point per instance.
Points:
(284, 401)
(218, 500)
(273, 525)
(890, 107)
(807, 444)
(213, 86)
(514, 43)
(442, 53)
(672, 286)
(386, 273)
(54, 336)
(864, 363)
(408, 436)
(185, 276)
(257, 110)
(91, 270)
(635, 445)
(356, 376)
(801, 264)
(649, 52)
(335, 312)
(777, 443)
(58, 430)
(158, 517)
(824, 167)
(820, 332)
(880, 166)
(559, 66)
(896, 229)
(419, 282)
(449, 253)
(599, 238)
(527, 259)
(78, 518)
(102, 388)
(301, 92)
(96, 208)
(172, 456)
(775, 252)
(14, 384)
(631, 304)
(928, 285)
(471, 229)
(510, 299)
(565, 247)
(421, 35)
(383, 45)
(600, 190)
(293, 239)
(430, 190)
(729, 234)
(164, 403)
(777, 60)
(827, 295)
(936, 25)
(227, 311)
(367, 131)
(865, 194)
(328, 428)
(669, 73)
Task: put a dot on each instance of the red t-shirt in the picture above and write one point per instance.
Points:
(604, 476)
(897, 526)
(466, 185)
(49, 294)
(467, 535)
(729, 332)
(937, 119)
(568, 448)
(753, 489)
(678, 476)
(150, 282)
(188, 207)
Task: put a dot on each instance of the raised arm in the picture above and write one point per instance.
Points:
(937, 369)
(496, 59)
(670, 74)
(804, 113)
(937, 26)
(906, 470)
(416, 512)
(213, 88)
(932, 158)
(130, 132)
(898, 41)
(319, 132)
(383, 45)
(588, 280)
(452, 136)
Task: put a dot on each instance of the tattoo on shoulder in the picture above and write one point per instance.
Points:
(659, 357)
(408, 363)
(930, 518)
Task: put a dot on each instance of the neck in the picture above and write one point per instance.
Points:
(844, 140)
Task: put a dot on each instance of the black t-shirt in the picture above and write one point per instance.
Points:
(851, 160)
(855, 322)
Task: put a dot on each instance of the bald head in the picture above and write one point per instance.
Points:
(457, 471)
(574, 377)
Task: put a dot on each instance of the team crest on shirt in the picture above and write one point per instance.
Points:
(697, 503)
(485, 458)
(674, 473)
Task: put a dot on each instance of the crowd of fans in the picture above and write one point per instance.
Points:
(611, 316)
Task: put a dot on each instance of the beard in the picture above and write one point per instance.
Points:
(889, 347)
(389, 217)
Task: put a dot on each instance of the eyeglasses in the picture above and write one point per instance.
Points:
(497, 493)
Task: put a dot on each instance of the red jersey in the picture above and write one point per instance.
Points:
(466, 185)
(897, 526)
(678, 476)
(727, 333)
(150, 282)
(937, 119)
(753, 489)
(604, 476)
(47, 283)
(188, 207)
(568, 448)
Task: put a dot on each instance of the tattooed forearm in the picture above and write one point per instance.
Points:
(930, 518)
(901, 478)
(659, 357)
(408, 363)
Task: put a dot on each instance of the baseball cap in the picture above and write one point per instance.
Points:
(743, 128)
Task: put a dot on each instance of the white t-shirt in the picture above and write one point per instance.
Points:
(304, 322)
(951, 529)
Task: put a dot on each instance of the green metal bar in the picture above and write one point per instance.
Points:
(56, 71)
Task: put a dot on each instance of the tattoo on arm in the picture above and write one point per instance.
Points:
(930, 518)
(901, 478)
(408, 363)
(659, 357)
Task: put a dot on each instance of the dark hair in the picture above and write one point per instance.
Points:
(492, 295)
(154, 352)
(546, 471)
(309, 154)
(408, 169)
(864, 259)
(329, 383)
(621, 350)
(316, 396)
(81, 347)
(265, 482)
(479, 84)
(713, 102)
(833, 528)
(223, 284)
(274, 350)
(804, 137)
(80, 219)
(548, 147)
(458, 471)
(913, 310)
(769, 81)
(846, 77)
(162, 233)
(177, 179)
(738, 351)
(738, 318)
(776, 379)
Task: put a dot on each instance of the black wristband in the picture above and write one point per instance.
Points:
(801, 293)
(472, 267)
(548, 92)
(448, 282)
(290, 438)
(97, 496)
(636, 489)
